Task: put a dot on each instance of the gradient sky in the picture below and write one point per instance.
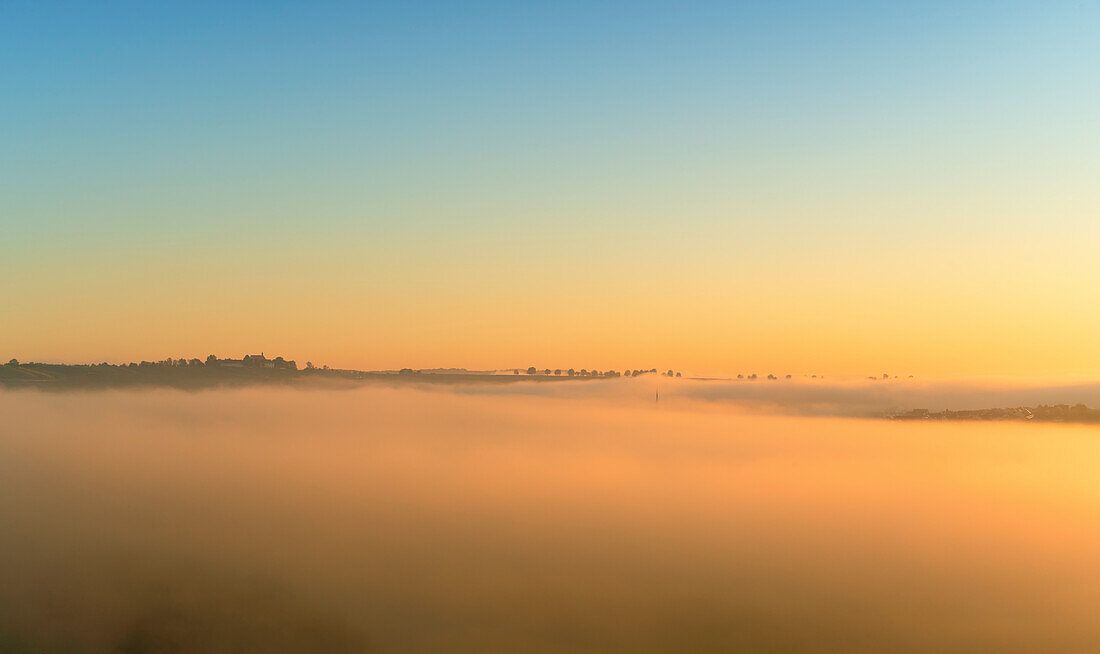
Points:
(841, 187)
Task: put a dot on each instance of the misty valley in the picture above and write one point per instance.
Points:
(533, 518)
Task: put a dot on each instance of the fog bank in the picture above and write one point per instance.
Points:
(816, 397)
(408, 520)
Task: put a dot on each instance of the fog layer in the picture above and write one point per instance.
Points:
(406, 520)
(817, 397)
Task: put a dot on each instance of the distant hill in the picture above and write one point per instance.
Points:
(445, 371)
(251, 370)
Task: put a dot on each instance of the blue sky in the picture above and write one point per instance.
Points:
(761, 141)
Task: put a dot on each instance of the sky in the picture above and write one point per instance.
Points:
(789, 187)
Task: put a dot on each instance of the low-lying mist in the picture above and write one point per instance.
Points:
(855, 398)
(538, 518)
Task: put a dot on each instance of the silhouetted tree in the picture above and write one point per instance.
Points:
(571, 372)
(558, 372)
(310, 366)
(211, 360)
(532, 370)
(13, 363)
(678, 374)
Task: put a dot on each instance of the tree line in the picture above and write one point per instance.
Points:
(584, 372)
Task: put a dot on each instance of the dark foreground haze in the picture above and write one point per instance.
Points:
(409, 520)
